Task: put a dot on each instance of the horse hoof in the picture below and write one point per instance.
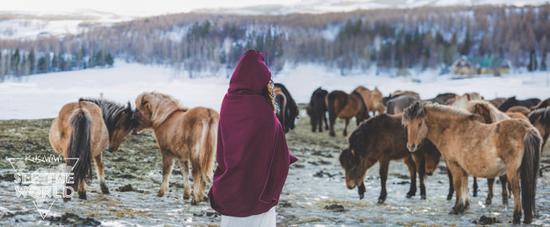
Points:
(194, 202)
(186, 197)
(160, 194)
(449, 196)
(66, 199)
(423, 197)
(361, 196)
(410, 194)
(104, 189)
(488, 202)
(82, 195)
(381, 201)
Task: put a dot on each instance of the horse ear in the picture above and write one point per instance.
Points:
(129, 106)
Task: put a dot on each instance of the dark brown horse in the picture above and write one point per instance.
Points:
(512, 101)
(444, 98)
(541, 120)
(345, 106)
(317, 110)
(382, 139)
(287, 110)
(543, 104)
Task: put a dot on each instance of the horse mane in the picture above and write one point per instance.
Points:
(161, 105)
(114, 115)
(290, 101)
(542, 115)
(420, 108)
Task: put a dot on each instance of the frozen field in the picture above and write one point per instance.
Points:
(41, 96)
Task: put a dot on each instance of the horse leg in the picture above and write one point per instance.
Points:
(326, 120)
(503, 183)
(458, 184)
(421, 168)
(184, 169)
(319, 122)
(166, 171)
(451, 187)
(384, 167)
(198, 184)
(490, 182)
(412, 173)
(475, 187)
(513, 180)
(346, 127)
(82, 189)
(100, 172)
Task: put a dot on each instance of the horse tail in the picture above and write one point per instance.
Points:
(390, 107)
(79, 153)
(364, 108)
(331, 107)
(208, 145)
(528, 172)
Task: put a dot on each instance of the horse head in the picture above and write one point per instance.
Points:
(414, 119)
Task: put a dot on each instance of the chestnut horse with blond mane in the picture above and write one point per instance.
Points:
(185, 134)
(83, 130)
(471, 147)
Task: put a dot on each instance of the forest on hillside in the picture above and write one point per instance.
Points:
(385, 39)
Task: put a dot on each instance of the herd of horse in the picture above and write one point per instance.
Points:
(484, 138)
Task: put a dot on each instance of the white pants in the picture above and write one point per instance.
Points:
(266, 219)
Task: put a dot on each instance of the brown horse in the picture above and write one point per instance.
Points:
(399, 93)
(470, 147)
(382, 139)
(372, 98)
(317, 110)
(186, 134)
(397, 105)
(497, 101)
(83, 130)
(519, 109)
(345, 106)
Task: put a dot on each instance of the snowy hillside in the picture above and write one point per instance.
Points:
(31, 25)
(324, 6)
(42, 95)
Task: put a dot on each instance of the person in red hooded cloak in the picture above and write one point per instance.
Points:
(252, 154)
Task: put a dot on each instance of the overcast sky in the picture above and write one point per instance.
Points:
(156, 7)
(130, 7)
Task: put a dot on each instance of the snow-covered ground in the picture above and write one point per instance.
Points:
(41, 96)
